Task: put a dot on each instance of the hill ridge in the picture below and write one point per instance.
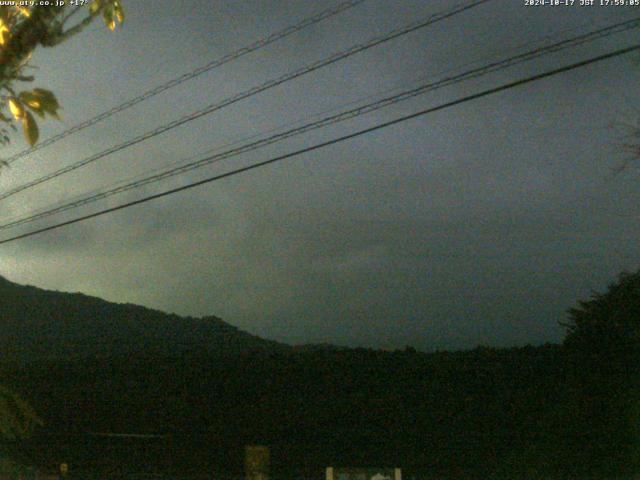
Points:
(37, 323)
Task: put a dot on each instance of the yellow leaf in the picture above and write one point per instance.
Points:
(30, 128)
(36, 108)
(4, 32)
(17, 110)
(44, 99)
(46, 96)
(95, 6)
(31, 100)
(118, 11)
(107, 16)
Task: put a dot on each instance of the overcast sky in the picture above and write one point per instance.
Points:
(479, 224)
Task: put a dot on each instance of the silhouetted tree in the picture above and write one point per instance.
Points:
(603, 349)
(608, 322)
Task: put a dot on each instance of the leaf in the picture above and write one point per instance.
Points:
(107, 16)
(30, 128)
(95, 6)
(4, 32)
(37, 111)
(38, 104)
(47, 97)
(47, 100)
(17, 110)
(112, 14)
(31, 100)
(118, 11)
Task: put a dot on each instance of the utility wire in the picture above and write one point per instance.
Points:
(239, 140)
(274, 37)
(484, 93)
(122, 187)
(248, 93)
(358, 111)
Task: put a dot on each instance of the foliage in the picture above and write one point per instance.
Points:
(547, 412)
(22, 30)
(17, 418)
(450, 414)
(609, 321)
(603, 352)
(10, 469)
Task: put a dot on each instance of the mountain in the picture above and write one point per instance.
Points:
(40, 324)
(193, 392)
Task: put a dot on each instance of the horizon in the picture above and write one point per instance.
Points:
(293, 345)
(289, 240)
(479, 224)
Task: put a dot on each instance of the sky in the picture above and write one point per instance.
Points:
(480, 224)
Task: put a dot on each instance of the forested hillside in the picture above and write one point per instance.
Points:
(547, 412)
(39, 324)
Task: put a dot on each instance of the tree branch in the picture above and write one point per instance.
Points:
(62, 36)
(31, 32)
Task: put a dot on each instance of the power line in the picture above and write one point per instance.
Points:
(274, 37)
(239, 140)
(368, 108)
(350, 136)
(248, 93)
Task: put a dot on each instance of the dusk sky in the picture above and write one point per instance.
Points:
(479, 224)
